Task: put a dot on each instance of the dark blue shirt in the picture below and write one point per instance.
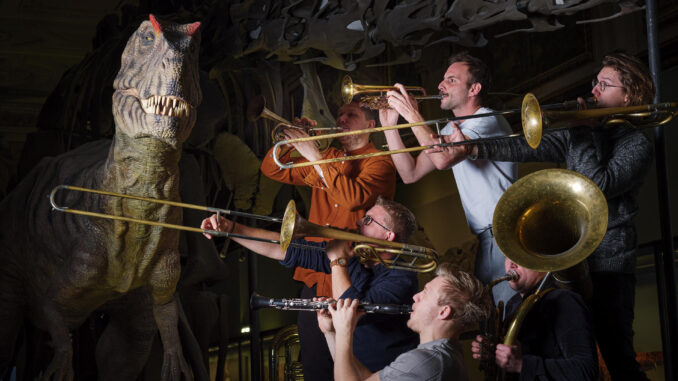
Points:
(556, 338)
(378, 338)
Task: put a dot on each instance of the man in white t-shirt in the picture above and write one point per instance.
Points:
(480, 182)
(448, 305)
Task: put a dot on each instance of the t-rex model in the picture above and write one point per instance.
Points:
(57, 268)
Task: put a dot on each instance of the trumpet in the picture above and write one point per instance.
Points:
(258, 301)
(376, 102)
(533, 119)
(405, 256)
(257, 109)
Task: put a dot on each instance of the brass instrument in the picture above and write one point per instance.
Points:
(573, 209)
(349, 90)
(285, 339)
(209, 209)
(257, 109)
(494, 329)
(258, 301)
(406, 257)
(533, 118)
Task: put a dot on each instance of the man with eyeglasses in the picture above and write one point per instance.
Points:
(616, 158)
(379, 338)
(341, 193)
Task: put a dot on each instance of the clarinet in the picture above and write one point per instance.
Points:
(258, 301)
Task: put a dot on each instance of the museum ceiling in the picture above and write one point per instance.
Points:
(42, 39)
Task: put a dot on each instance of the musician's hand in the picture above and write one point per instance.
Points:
(459, 152)
(324, 317)
(509, 357)
(338, 248)
(388, 117)
(304, 122)
(345, 316)
(211, 223)
(404, 104)
(309, 150)
(581, 104)
(481, 347)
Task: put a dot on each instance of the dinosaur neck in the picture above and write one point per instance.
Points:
(143, 166)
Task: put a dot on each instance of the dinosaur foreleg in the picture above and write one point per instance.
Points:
(61, 366)
(125, 344)
(11, 316)
(174, 365)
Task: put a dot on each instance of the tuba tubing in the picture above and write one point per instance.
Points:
(570, 206)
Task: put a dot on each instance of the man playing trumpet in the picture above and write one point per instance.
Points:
(616, 158)
(448, 305)
(380, 338)
(480, 183)
(341, 193)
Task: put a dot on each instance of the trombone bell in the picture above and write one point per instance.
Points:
(403, 256)
(531, 120)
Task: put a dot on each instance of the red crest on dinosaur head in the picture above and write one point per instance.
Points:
(192, 28)
(156, 25)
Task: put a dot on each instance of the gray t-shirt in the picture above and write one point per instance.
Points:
(441, 359)
(482, 182)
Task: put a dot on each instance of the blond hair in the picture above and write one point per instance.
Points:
(464, 293)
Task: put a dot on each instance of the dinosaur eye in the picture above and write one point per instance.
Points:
(148, 38)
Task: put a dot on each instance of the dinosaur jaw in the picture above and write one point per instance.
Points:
(167, 117)
(166, 105)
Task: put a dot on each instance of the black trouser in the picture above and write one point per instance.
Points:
(612, 307)
(315, 356)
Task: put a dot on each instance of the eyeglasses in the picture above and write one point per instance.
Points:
(368, 220)
(602, 84)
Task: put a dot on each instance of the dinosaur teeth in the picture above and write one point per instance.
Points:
(166, 106)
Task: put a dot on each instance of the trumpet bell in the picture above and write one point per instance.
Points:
(550, 220)
(347, 90)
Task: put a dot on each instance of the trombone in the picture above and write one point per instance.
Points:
(533, 119)
(375, 102)
(405, 256)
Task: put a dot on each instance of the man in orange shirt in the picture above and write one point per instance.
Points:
(341, 193)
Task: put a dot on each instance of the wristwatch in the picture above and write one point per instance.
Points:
(339, 262)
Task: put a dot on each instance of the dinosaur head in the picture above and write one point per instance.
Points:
(157, 89)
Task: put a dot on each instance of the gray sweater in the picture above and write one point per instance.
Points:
(615, 158)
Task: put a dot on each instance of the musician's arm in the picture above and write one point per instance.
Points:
(270, 250)
(341, 279)
(327, 328)
(346, 365)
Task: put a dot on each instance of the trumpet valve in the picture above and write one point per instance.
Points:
(375, 102)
